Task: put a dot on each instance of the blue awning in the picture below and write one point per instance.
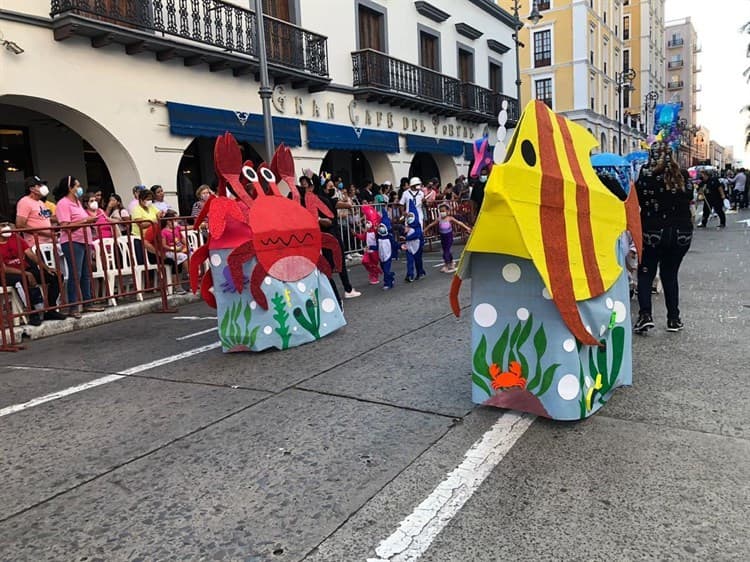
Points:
(415, 143)
(324, 136)
(197, 121)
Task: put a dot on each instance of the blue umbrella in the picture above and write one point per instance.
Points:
(608, 160)
(638, 155)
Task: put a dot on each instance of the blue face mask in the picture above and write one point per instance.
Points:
(79, 191)
(341, 185)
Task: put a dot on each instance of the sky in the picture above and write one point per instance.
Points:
(725, 90)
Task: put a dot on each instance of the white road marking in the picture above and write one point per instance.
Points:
(415, 533)
(187, 337)
(24, 368)
(104, 380)
(193, 317)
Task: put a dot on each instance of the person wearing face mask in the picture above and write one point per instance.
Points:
(414, 193)
(102, 227)
(31, 212)
(477, 190)
(445, 224)
(75, 238)
(117, 213)
(145, 211)
(667, 225)
(19, 261)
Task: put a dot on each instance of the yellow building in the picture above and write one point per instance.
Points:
(570, 59)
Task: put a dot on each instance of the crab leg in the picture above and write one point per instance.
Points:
(241, 254)
(206, 292)
(329, 242)
(199, 256)
(256, 280)
(325, 267)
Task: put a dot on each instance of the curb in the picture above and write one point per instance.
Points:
(91, 319)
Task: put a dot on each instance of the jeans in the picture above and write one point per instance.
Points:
(664, 249)
(718, 205)
(36, 296)
(79, 274)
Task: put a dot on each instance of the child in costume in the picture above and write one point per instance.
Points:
(445, 224)
(386, 249)
(370, 259)
(413, 244)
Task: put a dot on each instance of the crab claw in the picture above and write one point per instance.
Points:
(282, 165)
(206, 292)
(241, 254)
(199, 256)
(222, 209)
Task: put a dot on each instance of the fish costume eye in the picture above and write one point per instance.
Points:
(528, 153)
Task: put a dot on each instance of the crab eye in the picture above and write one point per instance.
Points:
(249, 173)
(267, 175)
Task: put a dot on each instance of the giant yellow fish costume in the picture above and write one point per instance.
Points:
(545, 203)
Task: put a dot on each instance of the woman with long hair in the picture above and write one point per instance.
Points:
(667, 225)
(74, 241)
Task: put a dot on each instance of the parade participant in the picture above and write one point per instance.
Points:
(414, 193)
(386, 250)
(667, 234)
(445, 222)
(413, 244)
(370, 259)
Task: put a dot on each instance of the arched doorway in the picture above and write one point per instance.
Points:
(603, 144)
(353, 166)
(197, 167)
(42, 138)
(424, 166)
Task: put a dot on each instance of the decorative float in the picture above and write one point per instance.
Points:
(263, 267)
(550, 308)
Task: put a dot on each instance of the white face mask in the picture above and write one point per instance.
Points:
(443, 215)
(5, 231)
(43, 190)
(149, 203)
(93, 205)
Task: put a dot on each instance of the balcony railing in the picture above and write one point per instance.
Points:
(678, 42)
(405, 84)
(697, 69)
(675, 85)
(675, 64)
(481, 104)
(218, 33)
(379, 77)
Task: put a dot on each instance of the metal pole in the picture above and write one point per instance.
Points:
(619, 118)
(518, 58)
(265, 88)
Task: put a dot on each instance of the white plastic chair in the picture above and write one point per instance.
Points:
(47, 251)
(105, 268)
(195, 240)
(138, 271)
(16, 305)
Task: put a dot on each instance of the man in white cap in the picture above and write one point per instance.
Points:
(415, 193)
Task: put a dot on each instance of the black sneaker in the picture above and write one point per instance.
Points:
(54, 315)
(35, 319)
(674, 325)
(409, 279)
(644, 323)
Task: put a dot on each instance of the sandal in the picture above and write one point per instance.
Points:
(76, 315)
(93, 309)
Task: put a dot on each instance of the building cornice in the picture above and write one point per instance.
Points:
(431, 12)
(28, 19)
(467, 31)
(495, 11)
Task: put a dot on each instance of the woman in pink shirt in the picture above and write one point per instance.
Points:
(74, 239)
(102, 227)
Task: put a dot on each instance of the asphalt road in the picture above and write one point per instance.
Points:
(320, 452)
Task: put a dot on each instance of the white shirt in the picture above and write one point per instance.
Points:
(418, 198)
(739, 181)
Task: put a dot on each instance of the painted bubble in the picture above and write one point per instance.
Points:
(546, 294)
(485, 315)
(267, 330)
(215, 260)
(569, 345)
(301, 287)
(511, 272)
(328, 305)
(620, 312)
(523, 314)
(568, 387)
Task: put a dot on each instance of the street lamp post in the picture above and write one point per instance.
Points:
(622, 80)
(534, 17)
(265, 90)
(650, 102)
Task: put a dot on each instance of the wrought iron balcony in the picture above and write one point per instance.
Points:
(213, 32)
(482, 105)
(378, 77)
(675, 64)
(676, 42)
(675, 85)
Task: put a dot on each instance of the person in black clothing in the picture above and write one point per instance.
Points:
(713, 196)
(477, 191)
(667, 233)
(365, 194)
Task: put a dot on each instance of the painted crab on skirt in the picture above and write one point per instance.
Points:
(282, 234)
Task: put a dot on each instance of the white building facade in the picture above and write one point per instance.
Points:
(126, 92)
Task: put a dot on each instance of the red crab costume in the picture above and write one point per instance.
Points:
(270, 244)
(370, 259)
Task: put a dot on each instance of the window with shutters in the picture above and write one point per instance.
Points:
(543, 91)
(279, 9)
(371, 29)
(465, 65)
(542, 48)
(496, 77)
(429, 50)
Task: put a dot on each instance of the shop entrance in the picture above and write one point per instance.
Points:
(424, 167)
(352, 165)
(197, 167)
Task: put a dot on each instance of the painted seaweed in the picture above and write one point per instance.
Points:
(311, 322)
(232, 332)
(603, 374)
(282, 319)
